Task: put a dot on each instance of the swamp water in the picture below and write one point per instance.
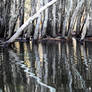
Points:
(46, 67)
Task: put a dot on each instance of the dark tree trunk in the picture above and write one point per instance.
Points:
(5, 7)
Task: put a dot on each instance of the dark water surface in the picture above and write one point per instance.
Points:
(46, 67)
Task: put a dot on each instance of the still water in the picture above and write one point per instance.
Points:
(46, 67)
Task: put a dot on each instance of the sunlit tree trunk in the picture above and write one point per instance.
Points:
(86, 25)
(54, 20)
(75, 14)
(78, 26)
(31, 26)
(85, 28)
(38, 25)
(67, 17)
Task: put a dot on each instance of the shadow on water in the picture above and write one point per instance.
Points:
(46, 67)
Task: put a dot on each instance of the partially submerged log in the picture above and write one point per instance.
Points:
(26, 24)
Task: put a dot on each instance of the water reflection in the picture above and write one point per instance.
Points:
(46, 67)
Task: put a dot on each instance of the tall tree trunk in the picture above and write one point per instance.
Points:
(20, 30)
(75, 14)
(45, 21)
(54, 20)
(31, 26)
(37, 28)
(14, 17)
(67, 18)
(85, 28)
(5, 7)
(7, 16)
(36, 31)
(2, 18)
(21, 13)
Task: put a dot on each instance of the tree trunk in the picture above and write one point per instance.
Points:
(5, 7)
(75, 14)
(67, 17)
(45, 21)
(37, 28)
(13, 19)
(31, 26)
(54, 20)
(85, 28)
(20, 30)
(21, 12)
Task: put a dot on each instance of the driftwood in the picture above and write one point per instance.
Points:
(26, 24)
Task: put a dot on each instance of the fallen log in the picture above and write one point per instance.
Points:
(19, 31)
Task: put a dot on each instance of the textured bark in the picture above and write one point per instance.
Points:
(7, 15)
(31, 26)
(45, 21)
(5, 7)
(14, 17)
(54, 20)
(21, 12)
(78, 26)
(37, 28)
(75, 14)
(67, 18)
(59, 19)
(85, 28)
